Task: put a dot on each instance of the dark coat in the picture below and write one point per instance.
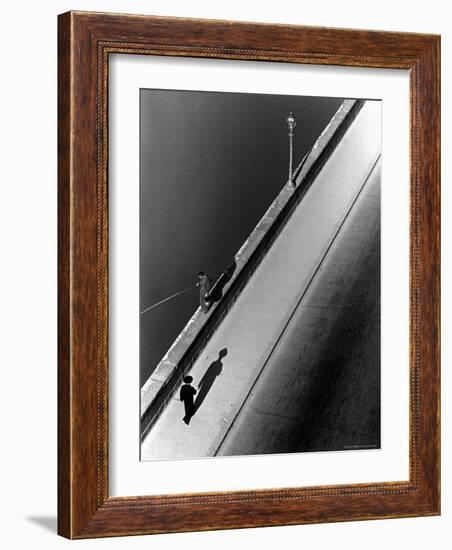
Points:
(187, 393)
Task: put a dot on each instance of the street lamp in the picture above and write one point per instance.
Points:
(291, 123)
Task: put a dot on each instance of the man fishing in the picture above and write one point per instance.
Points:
(204, 298)
(204, 289)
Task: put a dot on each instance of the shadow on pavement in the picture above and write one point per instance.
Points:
(209, 378)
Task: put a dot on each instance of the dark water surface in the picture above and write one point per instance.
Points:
(210, 165)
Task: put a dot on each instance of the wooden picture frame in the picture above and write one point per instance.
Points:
(85, 42)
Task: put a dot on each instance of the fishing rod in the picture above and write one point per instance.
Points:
(166, 299)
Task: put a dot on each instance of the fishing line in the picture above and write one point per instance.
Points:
(166, 299)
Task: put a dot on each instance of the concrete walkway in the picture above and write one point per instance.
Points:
(320, 387)
(254, 324)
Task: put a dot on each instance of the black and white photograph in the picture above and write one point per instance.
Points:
(259, 274)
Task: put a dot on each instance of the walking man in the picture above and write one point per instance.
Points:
(204, 289)
(187, 394)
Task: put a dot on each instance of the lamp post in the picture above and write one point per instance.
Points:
(291, 123)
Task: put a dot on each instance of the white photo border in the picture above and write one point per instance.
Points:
(129, 476)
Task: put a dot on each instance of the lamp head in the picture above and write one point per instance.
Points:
(291, 122)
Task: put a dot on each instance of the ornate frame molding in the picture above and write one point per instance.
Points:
(85, 42)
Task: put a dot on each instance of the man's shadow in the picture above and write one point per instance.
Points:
(216, 293)
(209, 377)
